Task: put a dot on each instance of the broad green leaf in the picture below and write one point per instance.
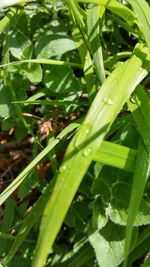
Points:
(54, 46)
(61, 80)
(20, 131)
(20, 87)
(33, 72)
(5, 99)
(82, 148)
(118, 213)
(108, 245)
(99, 217)
(19, 45)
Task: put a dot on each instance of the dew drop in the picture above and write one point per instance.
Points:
(63, 169)
(108, 101)
(87, 152)
(82, 134)
(133, 99)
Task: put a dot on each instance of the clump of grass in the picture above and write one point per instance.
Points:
(89, 62)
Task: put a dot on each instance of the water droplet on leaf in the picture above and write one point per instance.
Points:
(133, 99)
(82, 134)
(108, 101)
(87, 152)
(62, 169)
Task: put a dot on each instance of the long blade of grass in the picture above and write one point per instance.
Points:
(21, 177)
(116, 155)
(142, 167)
(42, 61)
(109, 153)
(116, 7)
(94, 37)
(78, 17)
(28, 223)
(83, 46)
(5, 22)
(51, 102)
(82, 148)
(87, 64)
(139, 105)
(142, 11)
(139, 251)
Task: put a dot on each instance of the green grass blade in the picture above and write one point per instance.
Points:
(28, 223)
(51, 102)
(11, 237)
(21, 177)
(73, 5)
(115, 7)
(116, 155)
(142, 11)
(139, 105)
(84, 48)
(94, 37)
(139, 251)
(139, 181)
(5, 22)
(42, 61)
(82, 148)
(87, 64)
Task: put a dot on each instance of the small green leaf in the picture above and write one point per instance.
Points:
(33, 72)
(61, 80)
(118, 213)
(108, 245)
(19, 45)
(5, 101)
(54, 46)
